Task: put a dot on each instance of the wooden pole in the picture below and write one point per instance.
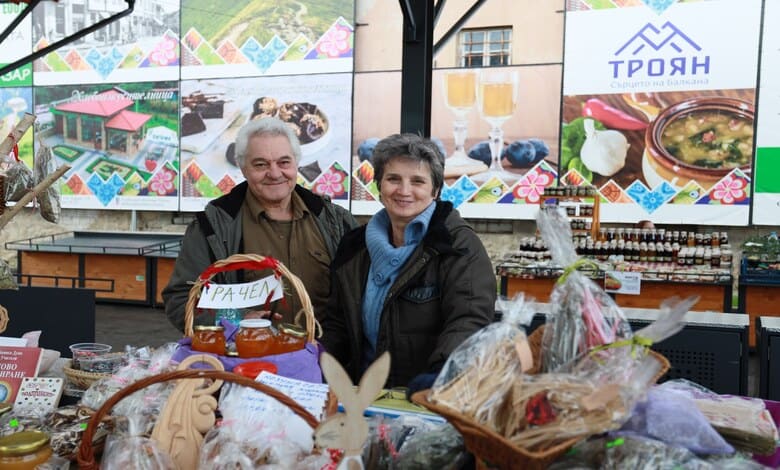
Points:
(16, 135)
(35, 191)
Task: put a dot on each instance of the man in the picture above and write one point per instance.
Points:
(268, 214)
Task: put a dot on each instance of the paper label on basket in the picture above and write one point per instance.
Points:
(262, 409)
(524, 353)
(248, 294)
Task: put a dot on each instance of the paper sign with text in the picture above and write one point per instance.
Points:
(620, 282)
(243, 295)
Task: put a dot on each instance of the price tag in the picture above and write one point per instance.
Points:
(620, 282)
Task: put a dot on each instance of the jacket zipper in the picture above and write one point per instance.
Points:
(392, 337)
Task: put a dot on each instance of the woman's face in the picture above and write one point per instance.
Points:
(406, 189)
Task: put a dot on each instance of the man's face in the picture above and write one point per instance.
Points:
(270, 169)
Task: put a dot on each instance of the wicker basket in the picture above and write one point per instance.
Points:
(86, 454)
(81, 379)
(489, 446)
(251, 261)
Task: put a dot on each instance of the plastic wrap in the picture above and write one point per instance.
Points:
(411, 443)
(139, 453)
(635, 452)
(18, 180)
(141, 363)
(582, 315)
(744, 422)
(7, 278)
(257, 436)
(440, 447)
(629, 453)
(674, 419)
(49, 198)
(478, 375)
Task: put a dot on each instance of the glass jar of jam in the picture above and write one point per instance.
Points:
(24, 450)
(255, 338)
(210, 339)
(290, 338)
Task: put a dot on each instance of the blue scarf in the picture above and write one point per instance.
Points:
(386, 263)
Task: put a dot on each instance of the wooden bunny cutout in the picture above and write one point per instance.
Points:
(188, 414)
(349, 430)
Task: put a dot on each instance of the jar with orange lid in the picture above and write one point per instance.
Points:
(210, 339)
(24, 450)
(290, 338)
(255, 338)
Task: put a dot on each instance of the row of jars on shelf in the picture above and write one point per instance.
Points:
(658, 252)
(683, 237)
(640, 252)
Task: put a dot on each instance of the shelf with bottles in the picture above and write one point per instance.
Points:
(659, 253)
(581, 204)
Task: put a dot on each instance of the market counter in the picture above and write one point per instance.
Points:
(759, 294)
(128, 267)
(714, 290)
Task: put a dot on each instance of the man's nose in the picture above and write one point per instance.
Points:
(274, 171)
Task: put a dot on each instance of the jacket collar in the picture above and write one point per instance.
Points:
(232, 201)
(438, 236)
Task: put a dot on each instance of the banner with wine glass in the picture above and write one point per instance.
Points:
(766, 198)
(497, 127)
(658, 108)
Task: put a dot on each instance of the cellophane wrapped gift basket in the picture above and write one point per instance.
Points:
(166, 422)
(587, 373)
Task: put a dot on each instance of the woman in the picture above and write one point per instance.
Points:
(415, 281)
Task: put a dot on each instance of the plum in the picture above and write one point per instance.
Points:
(481, 152)
(542, 150)
(520, 154)
(366, 148)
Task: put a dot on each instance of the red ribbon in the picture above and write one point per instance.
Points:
(16, 147)
(266, 263)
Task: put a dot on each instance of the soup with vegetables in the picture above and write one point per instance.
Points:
(710, 138)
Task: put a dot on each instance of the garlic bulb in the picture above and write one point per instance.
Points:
(604, 152)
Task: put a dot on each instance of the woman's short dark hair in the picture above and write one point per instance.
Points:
(412, 147)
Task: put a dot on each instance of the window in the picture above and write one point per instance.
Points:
(484, 47)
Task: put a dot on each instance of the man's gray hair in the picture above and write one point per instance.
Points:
(266, 126)
(412, 147)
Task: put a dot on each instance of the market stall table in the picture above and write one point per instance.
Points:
(714, 287)
(120, 266)
(759, 291)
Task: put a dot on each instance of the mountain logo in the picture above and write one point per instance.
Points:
(655, 52)
(667, 36)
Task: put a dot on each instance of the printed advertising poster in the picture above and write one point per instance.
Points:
(137, 47)
(122, 142)
(245, 38)
(497, 127)
(317, 107)
(658, 113)
(14, 102)
(766, 198)
(16, 46)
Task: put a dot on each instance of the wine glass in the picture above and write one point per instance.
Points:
(460, 94)
(497, 98)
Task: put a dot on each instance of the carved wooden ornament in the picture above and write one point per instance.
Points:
(188, 415)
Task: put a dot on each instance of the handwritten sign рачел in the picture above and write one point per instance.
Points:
(243, 295)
